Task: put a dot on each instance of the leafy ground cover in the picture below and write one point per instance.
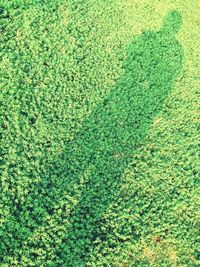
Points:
(99, 155)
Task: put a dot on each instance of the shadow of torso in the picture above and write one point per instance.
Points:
(121, 120)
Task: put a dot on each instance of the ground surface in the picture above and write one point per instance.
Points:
(99, 132)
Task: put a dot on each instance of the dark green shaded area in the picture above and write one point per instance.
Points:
(113, 132)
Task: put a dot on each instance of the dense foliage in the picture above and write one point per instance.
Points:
(99, 133)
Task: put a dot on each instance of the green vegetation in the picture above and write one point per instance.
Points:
(99, 133)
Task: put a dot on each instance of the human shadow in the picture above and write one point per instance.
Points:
(105, 144)
(116, 128)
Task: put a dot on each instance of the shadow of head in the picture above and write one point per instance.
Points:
(172, 22)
